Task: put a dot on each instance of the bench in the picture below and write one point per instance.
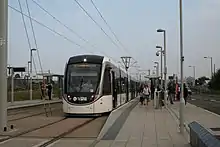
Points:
(201, 137)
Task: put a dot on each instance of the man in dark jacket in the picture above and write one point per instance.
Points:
(49, 90)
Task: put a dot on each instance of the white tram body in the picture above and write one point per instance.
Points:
(94, 85)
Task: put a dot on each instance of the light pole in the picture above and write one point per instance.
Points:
(3, 63)
(211, 64)
(194, 74)
(182, 101)
(157, 67)
(31, 74)
(161, 63)
(165, 64)
(126, 60)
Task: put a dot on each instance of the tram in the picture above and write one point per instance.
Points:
(95, 85)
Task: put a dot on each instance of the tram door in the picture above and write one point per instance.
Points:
(114, 90)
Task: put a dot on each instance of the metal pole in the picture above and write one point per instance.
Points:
(158, 70)
(3, 62)
(12, 85)
(165, 69)
(194, 74)
(214, 69)
(211, 68)
(182, 101)
(161, 66)
(31, 87)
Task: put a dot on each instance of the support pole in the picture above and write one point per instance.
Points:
(3, 63)
(31, 74)
(182, 101)
(12, 85)
(165, 69)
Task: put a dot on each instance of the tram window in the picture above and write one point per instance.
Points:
(107, 83)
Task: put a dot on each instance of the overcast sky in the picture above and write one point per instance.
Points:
(134, 22)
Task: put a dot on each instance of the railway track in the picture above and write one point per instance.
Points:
(31, 112)
(75, 128)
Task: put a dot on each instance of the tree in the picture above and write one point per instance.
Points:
(215, 81)
(202, 80)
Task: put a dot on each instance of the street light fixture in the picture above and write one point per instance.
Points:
(157, 67)
(211, 64)
(161, 63)
(165, 64)
(194, 74)
(31, 60)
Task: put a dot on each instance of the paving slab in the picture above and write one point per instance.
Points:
(146, 126)
(57, 128)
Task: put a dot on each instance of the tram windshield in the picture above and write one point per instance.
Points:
(83, 77)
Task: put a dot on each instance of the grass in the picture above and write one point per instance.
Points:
(23, 95)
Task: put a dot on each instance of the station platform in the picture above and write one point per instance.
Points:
(141, 125)
(31, 103)
(193, 113)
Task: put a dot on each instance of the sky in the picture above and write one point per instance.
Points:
(135, 24)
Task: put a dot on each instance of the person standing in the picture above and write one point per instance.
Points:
(146, 93)
(152, 91)
(185, 93)
(49, 91)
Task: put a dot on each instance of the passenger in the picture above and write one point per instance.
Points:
(185, 93)
(146, 93)
(49, 90)
(141, 94)
(152, 91)
(171, 91)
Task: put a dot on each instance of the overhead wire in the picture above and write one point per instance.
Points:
(55, 32)
(100, 14)
(68, 28)
(96, 23)
(25, 28)
(100, 26)
(35, 40)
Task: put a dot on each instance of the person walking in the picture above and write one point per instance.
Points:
(146, 93)
(185, 93)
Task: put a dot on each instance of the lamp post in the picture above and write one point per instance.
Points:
(194, 74)
(161, 63)
(157, 67)
(211, 64)
(165, 64)
(31, 74)
(126, 60)
(3, 63)
(182, 101)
